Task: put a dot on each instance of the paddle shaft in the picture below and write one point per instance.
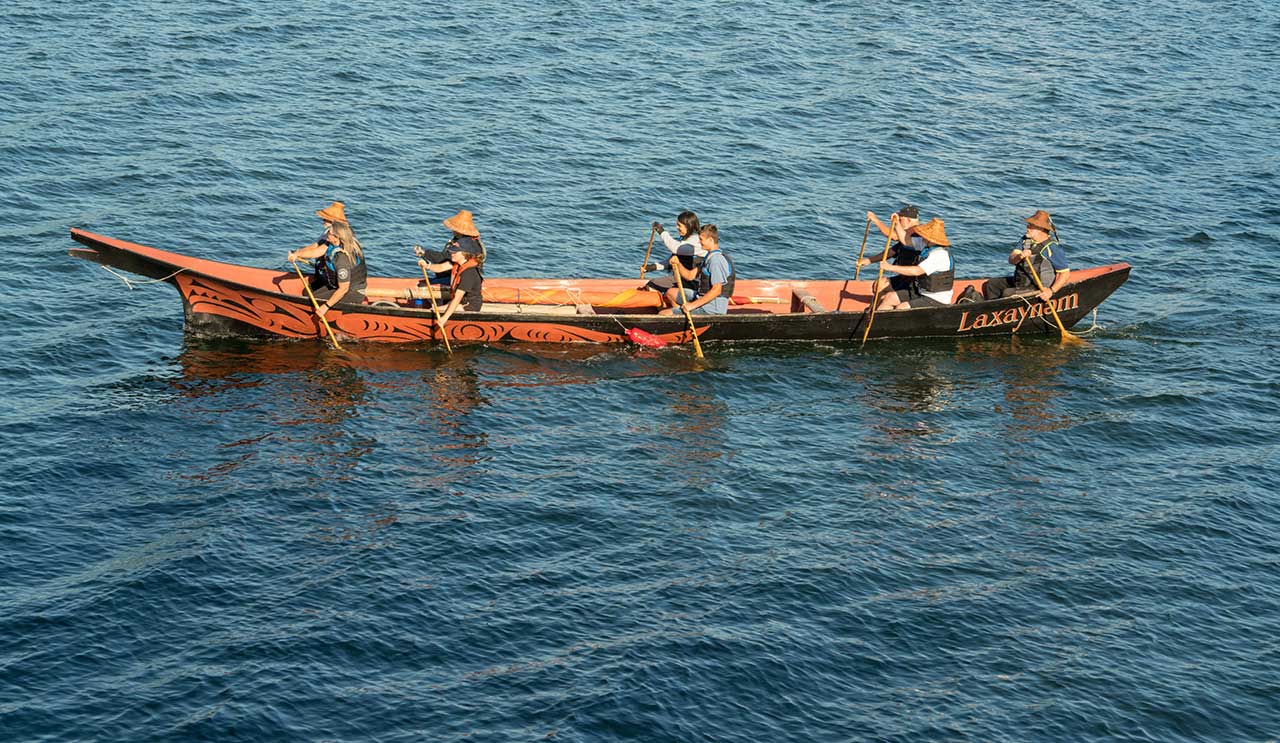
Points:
(693, 333)
(436, 312)
(858, 266)
(1066, 336)
(316, 305)
(652, 231)
(875, 294)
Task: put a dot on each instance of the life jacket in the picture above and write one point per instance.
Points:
(704, 276)
(940, 281)
(455, 275)
(906, 255)
(328, 271)
(473, 301)
(1022, 278)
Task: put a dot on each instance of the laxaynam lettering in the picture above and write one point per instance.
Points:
(1018, 315)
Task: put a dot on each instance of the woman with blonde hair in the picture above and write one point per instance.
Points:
(340, 272)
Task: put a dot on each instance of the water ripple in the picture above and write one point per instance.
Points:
(942, 540)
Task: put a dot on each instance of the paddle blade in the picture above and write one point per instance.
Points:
(642, 338)
(1070, 339)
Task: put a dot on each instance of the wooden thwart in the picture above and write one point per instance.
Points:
(803, 297)
(416, 292)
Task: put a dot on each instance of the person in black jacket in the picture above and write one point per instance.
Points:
(905, 251)
(466, 283)
(340, 273)
(465, 236)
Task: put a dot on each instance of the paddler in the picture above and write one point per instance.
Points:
(465, 237)
(904, 251)
(466, 281)
(707, 288)
(340, 273)
(1048, 259)
(688, 247)
(931, 278)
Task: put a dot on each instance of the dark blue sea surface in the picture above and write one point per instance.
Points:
(934, 540)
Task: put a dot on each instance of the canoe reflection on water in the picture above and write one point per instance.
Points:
(1033, 390)
(427, 399)
(211, 365)
(911, 397)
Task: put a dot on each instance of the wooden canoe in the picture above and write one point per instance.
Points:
(224, 299)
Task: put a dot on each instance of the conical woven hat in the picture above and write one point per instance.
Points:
(462, 224)
(934, 232)
(335, 212)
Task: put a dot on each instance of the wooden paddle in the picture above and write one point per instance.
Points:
(316, 305)
(434, 309)
(858, 266)
(652, 231)
(875, 294)
(693, 333)
(1067, 338)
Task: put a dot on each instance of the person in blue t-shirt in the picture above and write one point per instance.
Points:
(1047, 257)
(707, 287)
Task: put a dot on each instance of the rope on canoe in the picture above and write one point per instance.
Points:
(1093, 327)
(1093, 317)
(131, 282)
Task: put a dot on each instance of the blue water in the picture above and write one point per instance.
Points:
(986, 540)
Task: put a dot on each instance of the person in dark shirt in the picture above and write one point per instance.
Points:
(1047, 257)
(340, 274)
(905, 251)
(465, 236)
(466, 283)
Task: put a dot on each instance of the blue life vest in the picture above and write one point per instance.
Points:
(328, 271)
(704, 276)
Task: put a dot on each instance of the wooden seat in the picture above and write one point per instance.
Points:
(802, 299)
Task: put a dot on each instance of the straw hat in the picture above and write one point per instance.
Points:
(1041, 220)
(461, 223)
(335, 212)
(934, 232)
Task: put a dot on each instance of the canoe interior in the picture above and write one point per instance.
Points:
(759, 296)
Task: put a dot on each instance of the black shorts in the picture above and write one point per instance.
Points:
(1004, 286)
(913, 298)
(321, 291)
(662, 283)
(898, 282)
